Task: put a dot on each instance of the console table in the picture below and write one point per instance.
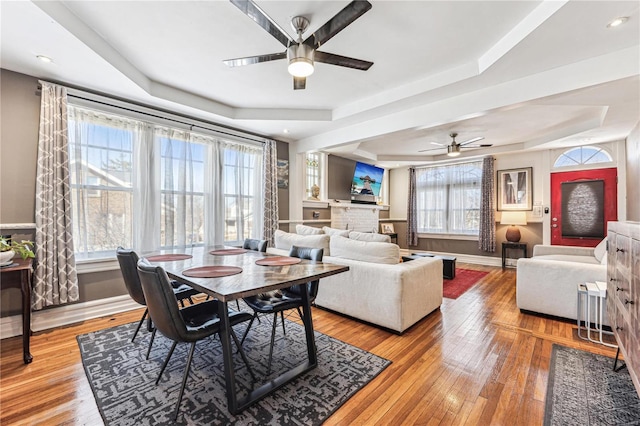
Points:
(19, 275)
(516, 246)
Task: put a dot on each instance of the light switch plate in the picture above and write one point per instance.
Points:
(537, 211)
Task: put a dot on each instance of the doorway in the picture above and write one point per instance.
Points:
(582, 202)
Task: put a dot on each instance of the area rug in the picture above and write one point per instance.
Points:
(584, 390)
(464, 280)
(123, 381)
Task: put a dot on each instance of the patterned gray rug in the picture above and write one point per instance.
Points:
(584, 390)
(123, 381)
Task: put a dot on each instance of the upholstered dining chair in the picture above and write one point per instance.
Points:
(128, 260)
(255, 245)
(278, 301)
(188, 325)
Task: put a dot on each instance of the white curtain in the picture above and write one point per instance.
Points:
(214, 201)
(448, 198)
(56, 280)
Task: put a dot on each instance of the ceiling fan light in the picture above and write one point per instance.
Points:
(300, 60)
(453, 150)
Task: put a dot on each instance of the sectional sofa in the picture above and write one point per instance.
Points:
(378, 288)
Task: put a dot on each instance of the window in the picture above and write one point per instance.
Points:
(148, 186)
(583, 155)
(448, 199)
(313, 174)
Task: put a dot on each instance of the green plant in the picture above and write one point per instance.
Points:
(24, 248)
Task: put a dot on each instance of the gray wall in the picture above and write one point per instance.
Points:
(633, 174)
(282, 149)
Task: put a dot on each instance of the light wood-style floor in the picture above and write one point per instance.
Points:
(477, 361)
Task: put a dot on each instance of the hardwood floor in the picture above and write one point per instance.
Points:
(477, 361)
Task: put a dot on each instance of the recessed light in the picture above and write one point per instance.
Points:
(617, 22)
(285, 131)
(44, 58)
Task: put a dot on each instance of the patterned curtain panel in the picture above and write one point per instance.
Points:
(487, 237)
(412, 210)
(56, 281)
(270, 191)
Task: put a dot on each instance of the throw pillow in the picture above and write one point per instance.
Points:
(369, 236)
(335, 231)
(365, 251)
(308, 230)
(284, 241)
(601, 250)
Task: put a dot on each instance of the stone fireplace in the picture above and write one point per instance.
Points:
(355, 217)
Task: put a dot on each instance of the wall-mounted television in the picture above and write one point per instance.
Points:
(367, 180)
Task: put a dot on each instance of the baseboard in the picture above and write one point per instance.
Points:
(67, 314)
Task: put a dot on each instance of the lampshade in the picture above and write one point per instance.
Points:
(300, 60)
(513, 218)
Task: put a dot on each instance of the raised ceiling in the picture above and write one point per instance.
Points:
(523, 74)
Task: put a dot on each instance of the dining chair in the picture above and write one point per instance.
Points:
(255, 245)
(278, 301)
(128, 260)
(186, 325)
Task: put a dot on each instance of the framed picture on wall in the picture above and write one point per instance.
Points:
(283, 173)
(514, 189)
(387, 228)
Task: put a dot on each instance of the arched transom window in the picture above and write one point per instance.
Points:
(583, 155)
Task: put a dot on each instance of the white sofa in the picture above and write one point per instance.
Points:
(547, 282)
(377, 288)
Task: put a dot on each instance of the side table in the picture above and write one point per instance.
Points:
(516, 246)
(393, 236)
(19, 275)
(592, 311)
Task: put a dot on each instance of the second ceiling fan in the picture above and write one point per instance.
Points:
(454, 148)
(302, 54)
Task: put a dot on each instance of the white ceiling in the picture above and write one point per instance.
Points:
(524, 74)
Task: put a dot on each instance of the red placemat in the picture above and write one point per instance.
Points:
(168, 257)
(227, 252)
(211, 271)
(278, 261)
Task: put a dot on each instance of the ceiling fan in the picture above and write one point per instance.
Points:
(453, 149)
(302, 54)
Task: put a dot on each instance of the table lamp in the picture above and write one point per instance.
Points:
(513, 219)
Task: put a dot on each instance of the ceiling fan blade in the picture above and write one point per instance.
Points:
(249, 60)
(479, 138)
(484, 145)
(343, 61)
(432, 149)
(252, 10)
(339, 22)
(438, 143)
(299, 83)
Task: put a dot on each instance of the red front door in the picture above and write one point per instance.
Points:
(582, 202)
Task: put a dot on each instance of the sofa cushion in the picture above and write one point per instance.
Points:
(364, 251)
(335, 231)
(601, 250)
(284, 241)
(369, 237)
(308, 230)
(569, 258)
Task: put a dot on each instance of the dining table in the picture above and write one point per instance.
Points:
(243, 277)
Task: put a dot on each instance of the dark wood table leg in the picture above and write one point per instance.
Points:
(25, 281)
(227, 356)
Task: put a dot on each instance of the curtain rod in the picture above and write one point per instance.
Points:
(89, 97)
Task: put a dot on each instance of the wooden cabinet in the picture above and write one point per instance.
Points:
(623, 298)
